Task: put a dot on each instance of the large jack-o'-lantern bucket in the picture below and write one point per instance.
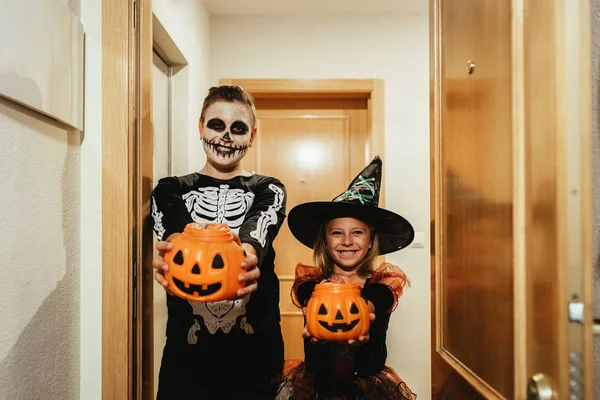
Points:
(204, 263)
(336, 312)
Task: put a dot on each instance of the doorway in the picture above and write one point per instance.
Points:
(314, 136)
(167, 63)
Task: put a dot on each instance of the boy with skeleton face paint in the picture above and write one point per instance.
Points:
(226, 134)
(228, 349)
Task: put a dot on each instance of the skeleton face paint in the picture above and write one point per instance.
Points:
(226, 134)
(224, 150)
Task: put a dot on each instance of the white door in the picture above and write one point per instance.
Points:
(162, 167)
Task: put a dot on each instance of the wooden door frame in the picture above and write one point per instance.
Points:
(126, 186)
(371, 90)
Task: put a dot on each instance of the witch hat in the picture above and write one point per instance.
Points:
(360, 201)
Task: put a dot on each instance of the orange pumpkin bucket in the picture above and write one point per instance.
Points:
(336, 312)
(204, 263)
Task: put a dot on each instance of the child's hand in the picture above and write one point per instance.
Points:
(306, 334)
(249, 264)
(362, 339)
(159, 263)
(250, 277)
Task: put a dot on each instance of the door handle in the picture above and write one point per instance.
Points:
(539, 388)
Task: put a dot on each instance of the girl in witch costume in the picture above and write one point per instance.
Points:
(227, 349)
(347, 235)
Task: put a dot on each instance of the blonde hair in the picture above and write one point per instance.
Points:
(230, 94)
(322, 258)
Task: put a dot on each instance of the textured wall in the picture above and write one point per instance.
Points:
(596, 134)
(39, 243)
(74, 6)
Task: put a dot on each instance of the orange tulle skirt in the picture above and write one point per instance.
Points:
(299, 384)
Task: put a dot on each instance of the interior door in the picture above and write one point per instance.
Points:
(476, 314)
(511, 206)
(315, 147)
(161, 110)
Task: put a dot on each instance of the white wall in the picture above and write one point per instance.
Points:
(393, 48)
(40, 247)
(187, 22)
(91, 207)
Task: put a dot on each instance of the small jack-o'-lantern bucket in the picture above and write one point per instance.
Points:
(337, 312)
(204, 263)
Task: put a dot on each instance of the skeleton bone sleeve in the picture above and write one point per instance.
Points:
(168, 212)
(265, 217)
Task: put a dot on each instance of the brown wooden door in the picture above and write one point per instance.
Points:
(510, 201)
(315, 147)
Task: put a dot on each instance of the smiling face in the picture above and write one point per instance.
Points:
(348, 241)
(227, 132)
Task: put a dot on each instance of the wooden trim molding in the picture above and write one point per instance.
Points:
(126, 160)
(577, 192)
(377, 129)
(436, 172)
(117, 20)
(292, 314)
(519, 201)
(587, 202)
(471, 377)
(298, 86)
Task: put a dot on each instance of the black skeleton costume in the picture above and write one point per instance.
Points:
(229, 342)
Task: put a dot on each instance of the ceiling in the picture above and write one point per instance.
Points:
(316, 7)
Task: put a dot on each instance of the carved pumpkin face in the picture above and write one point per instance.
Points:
(204, 263)
(336, 312)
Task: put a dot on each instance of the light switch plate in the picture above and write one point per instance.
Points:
(419, 240)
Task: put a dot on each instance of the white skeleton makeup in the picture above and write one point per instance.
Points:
(227, 133)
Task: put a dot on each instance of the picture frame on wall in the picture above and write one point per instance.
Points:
(42, 58)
